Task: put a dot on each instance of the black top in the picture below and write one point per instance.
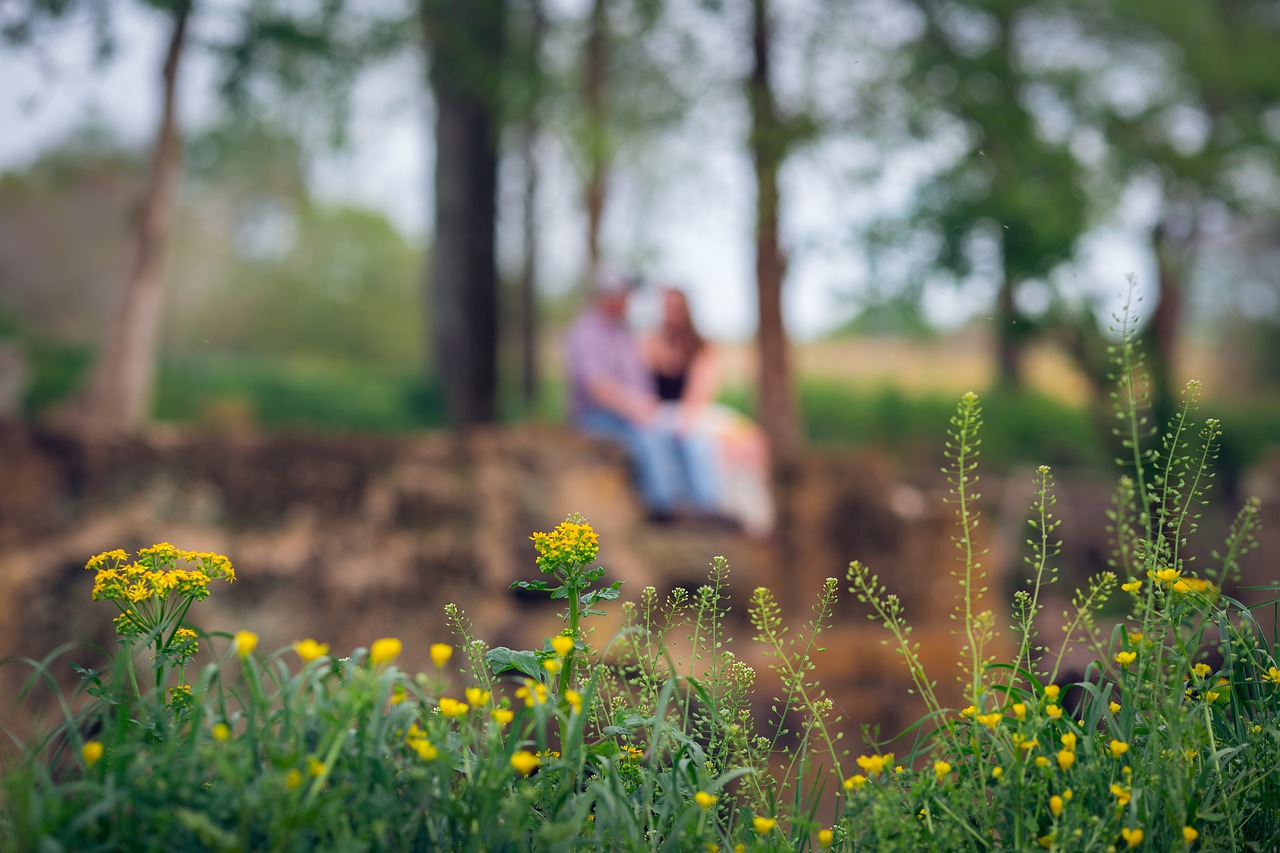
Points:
(670, 388)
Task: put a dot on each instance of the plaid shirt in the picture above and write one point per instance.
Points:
(597, 349)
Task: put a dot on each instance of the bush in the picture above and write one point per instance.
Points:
(652, 741)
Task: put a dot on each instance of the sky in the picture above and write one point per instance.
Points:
(681, 214)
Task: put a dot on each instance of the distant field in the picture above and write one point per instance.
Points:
(953, 365)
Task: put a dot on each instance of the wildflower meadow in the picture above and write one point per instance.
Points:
(653, 738)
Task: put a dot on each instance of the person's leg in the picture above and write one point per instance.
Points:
(699, 453)
(653, 461)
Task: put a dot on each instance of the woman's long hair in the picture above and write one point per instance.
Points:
(678, 330)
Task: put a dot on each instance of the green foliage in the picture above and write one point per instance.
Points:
(654, 740)
(279, 393)
(1032, 428)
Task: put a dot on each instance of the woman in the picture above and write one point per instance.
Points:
(726, 445)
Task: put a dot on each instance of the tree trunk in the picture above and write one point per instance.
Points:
(120, 391)
(594, 94)
(529, 266)
(1009, 340)
(466, 41)
(769, 142)
(1172, 254)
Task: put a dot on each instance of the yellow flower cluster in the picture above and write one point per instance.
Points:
(417, 741)
(524, 761)
(1196, 586)
(573, 543)
(310, 649)
(160, 571)
(873, 764)
(384, 651)
(532, 693)
(764, 825)
(440, 654)
(1067, 755)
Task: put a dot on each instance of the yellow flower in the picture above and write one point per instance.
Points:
(703, 799)
(1053, 712)
(873, 764)
(1069, 740)
(857, 780)
(440, 653)
(941, 768)
(1273, 675)
(91, 752)
(1055, 805)
(1066, 758)
(573, 542)
(1045, 841)
(763, 825)
(315, 767)
(398, 694)
(426, 750)
(477, 697)
(1167, 576)
(245, 643)
(562, 644)
(1020, 710)
(524, 761)
(551, 665)
(452, 707)
(221, 732)
(1121, 794)
(1199, 586)
(309, 649)
(384, 651)
(1118, 748)
(1051, 692)
(1023, 742)
(825, 837)
(969, 711)
(1212, 696)
(1126, 658)
(532, 693)
(1131, 586)
(1190, 834)
(990, 720)
(1041, 761)
(293, 779)
(1132, 837)
(997, 772)
(502, 716)
(574, 698)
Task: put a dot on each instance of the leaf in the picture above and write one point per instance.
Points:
(535, 586)
(503, 659)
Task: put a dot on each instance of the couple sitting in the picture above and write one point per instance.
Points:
(655, 396)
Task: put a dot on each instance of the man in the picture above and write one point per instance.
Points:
(612, 396)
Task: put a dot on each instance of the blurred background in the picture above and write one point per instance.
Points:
(289, 278)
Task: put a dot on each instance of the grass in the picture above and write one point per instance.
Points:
(659, 737)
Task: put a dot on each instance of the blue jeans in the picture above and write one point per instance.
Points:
(670, 471)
